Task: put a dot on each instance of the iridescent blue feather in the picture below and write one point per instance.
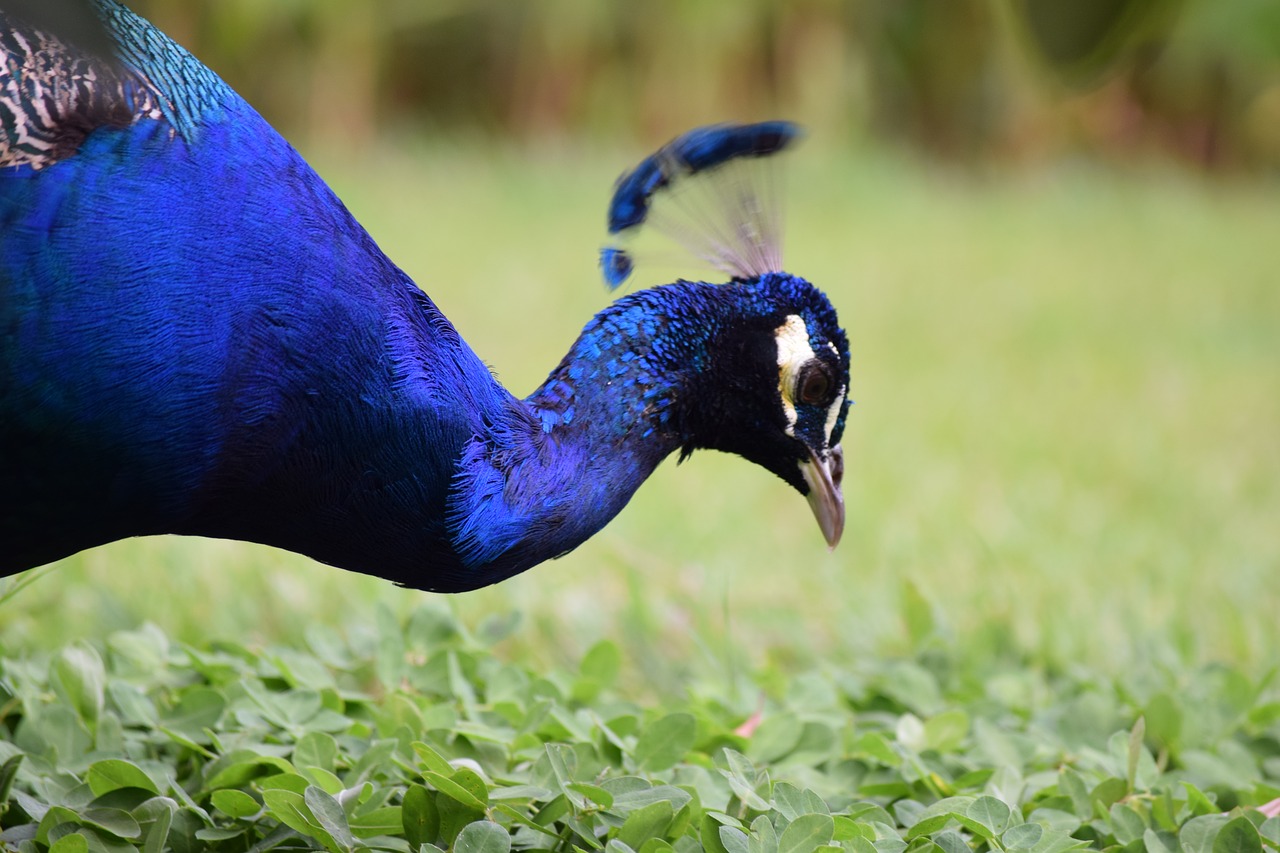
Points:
(616, 264)
(735, 228)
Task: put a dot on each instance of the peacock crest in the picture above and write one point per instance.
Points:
(729, 217)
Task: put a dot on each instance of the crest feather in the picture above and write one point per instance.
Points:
(719, 199)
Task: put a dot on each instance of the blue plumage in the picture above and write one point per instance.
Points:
(196, 337)
(736, 230)
(617, 266)
(696, 151)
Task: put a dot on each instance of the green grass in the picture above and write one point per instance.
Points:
(1063, 480)
(415, 736)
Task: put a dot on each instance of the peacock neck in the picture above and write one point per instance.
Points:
(566, 460)
(621, 383)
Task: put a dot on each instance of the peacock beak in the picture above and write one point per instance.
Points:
(825, 499)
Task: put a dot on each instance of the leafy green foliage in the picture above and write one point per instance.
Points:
(150, 745)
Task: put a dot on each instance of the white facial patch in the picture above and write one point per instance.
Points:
(793, 353)
(833, 414)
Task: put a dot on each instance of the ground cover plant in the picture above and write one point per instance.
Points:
(417, 737)
(1052, 623)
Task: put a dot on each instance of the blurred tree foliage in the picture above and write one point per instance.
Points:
(965, 80)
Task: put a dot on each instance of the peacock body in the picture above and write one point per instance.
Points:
(196, 337)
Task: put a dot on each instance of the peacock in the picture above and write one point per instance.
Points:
(197, 338)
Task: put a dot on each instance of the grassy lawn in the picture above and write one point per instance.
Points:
(1063, 486)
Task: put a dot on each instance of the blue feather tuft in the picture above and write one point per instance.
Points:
(616, 264)
(696, 151)
(734, 224)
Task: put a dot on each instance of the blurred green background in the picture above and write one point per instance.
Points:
(1051, 237)
(966, 81)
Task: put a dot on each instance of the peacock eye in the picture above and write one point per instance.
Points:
(815, 385)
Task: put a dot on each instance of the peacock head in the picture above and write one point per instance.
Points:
(813, 386)
(774, 389)
(775, 386)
